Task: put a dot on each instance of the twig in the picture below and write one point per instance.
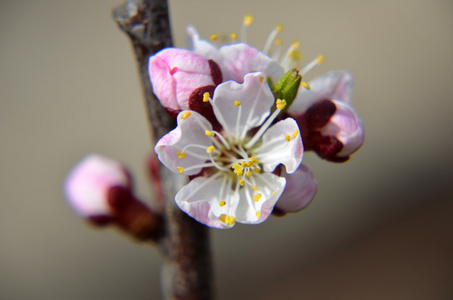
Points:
(185, 245)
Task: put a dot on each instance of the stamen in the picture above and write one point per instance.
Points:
(258, 214)
(265, 126)
(305, 85)
(257, 197)
(228, 220)
(254, 188)
(280, 104)
(277, 50)
(291, 55)
(317, 61)
(237, 103)
(180, 170)
(209, 133)
(288, 138)
(210, 149)
(248, 173)
(181, 154)
(206, 97)
(222, 203)
(219, 167)
(241, 182)
(185, 115)
(295, 133)
(271, 39)
(234, 36)
(248, 20)
(214, 37)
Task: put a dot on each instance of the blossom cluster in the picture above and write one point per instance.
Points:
(245, 118)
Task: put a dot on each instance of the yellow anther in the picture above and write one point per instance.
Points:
(237, 103)
(185, 115)
(280, 104)
(255, 188)
(320, 59)
(248, 164)
(295, 133)
(273, 193)
(248, 20)
(237, 166)
(228, 220)
(256, 170)
(295, 44)
(243, 164)
(288, 138)
(222, 203)
(278, 42)
(241, 182)
(254, 160)
(295, 54)
(234, 36)
(209, 133)
(258, 214)
(210, 149)
(214, 37)
(248, 173)
(180, 170)
(238, 172)
(279, 28)
(305, 85)
(261, 79)
(257, 197)
(206, 97)
(181, 154)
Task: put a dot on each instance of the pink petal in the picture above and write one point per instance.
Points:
(199, 197)
(300, 189)
(276, 149)
(347, 127)
(240, 59)
(270, 187)
(256, 101)
(190, 131)
(332, 85)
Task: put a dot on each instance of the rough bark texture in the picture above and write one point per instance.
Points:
(185, 245)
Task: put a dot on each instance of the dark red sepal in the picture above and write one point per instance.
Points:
(216, 73)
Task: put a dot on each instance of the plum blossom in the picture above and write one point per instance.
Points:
(235, 166)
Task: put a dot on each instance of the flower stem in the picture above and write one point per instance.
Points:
(187, 271)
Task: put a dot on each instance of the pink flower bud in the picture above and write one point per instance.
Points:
(87, 185)
(333, 129)
(176, 73)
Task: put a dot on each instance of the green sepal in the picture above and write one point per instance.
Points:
(287, 86)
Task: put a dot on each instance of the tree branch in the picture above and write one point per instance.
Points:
(185, 245)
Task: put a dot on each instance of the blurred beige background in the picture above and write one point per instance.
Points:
(381, 226)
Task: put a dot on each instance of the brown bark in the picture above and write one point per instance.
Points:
(185, 244)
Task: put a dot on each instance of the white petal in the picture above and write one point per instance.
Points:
(190, 131)
(237, 60)
(347, 127)
(87, 185)
(270, 187)
(281, 144)
(202, 47)
(300, 189)
(332, 85)
(201, 199)
(256, 101)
